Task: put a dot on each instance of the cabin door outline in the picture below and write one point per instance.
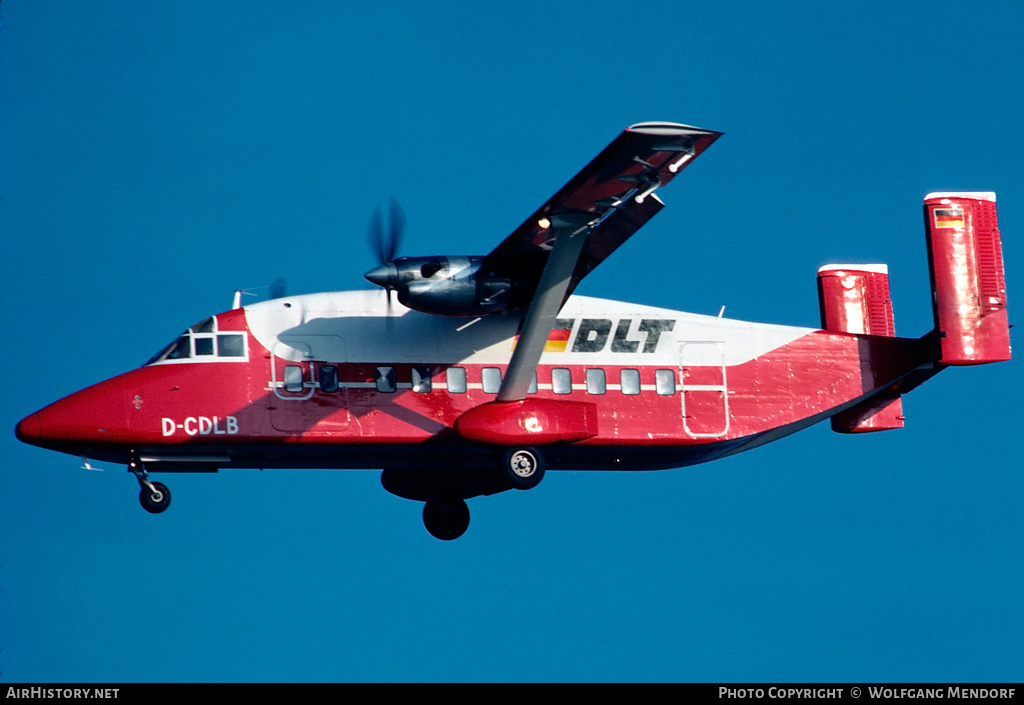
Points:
(705, 389)
(302, 409)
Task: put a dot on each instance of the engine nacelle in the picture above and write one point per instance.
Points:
(447, 286)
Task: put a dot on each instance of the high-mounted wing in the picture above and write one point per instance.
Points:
(584, 223)
(610, 199)
(613, 195)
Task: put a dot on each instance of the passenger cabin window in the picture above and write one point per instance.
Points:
(293, 378)
(456, 379)
(328, 379)
(491, 380)
(421, 379)
(595, 381)
(386, 379)
(629, 380)
(532, 389)
(561, 380)
(665, 382)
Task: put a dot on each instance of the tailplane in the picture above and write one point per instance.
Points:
(965, 260)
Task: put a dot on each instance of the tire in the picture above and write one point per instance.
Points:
(523, 467)
(155, 504)
(446, 520)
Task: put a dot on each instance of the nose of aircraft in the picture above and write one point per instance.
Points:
(98, 414)
(29, 429)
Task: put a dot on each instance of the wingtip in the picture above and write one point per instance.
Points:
(669, 129)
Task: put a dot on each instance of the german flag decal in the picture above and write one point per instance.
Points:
(558, 338)
(949, 217)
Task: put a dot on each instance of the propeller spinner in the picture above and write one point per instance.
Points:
(385, 243)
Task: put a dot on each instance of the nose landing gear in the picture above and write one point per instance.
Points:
(153, 496)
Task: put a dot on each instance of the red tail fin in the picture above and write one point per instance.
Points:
(854, 298)
(965, 259)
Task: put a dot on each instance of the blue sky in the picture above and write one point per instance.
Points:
(156, 156)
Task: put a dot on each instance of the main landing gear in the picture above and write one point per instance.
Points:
(523, 467)
(153, 496)
(446, 519)
(445, 514)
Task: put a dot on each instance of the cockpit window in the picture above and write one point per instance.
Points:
(204, 327)
(202, 342)
(231, 345)
(181, 349)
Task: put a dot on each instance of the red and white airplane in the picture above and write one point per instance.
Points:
(487, 370)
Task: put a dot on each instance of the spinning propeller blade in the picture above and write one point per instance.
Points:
(385, 243)
(277, 288)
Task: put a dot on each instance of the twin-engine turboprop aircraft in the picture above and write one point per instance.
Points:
(487, 370)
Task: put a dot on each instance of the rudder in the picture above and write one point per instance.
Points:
(965, 261)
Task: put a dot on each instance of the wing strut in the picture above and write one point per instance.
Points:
(571, 233)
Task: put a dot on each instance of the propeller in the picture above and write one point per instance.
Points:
(277, 288)
(385, 242)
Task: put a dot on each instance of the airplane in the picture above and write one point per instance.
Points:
(489, 370)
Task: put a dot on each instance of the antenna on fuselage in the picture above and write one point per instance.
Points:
(276, 291)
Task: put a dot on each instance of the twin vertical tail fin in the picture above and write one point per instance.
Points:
(965, 261)
(854, 298)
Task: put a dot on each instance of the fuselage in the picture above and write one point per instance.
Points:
(349, 380)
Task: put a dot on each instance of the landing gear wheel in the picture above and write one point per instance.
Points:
(155, 500)
(523, 467)
(447, 520)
